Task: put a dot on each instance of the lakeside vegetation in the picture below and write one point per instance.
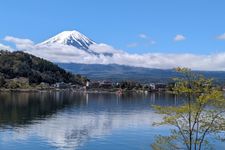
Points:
(198, 120)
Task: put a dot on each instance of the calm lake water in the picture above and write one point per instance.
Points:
(65, 120)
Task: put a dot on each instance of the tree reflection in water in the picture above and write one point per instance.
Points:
(68, 120)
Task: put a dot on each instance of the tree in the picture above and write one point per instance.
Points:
(202, 115)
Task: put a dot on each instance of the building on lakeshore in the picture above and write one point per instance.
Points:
(106, 84)
(62, 85)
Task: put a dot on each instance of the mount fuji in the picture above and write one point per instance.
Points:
(75, 39)
(72, 38)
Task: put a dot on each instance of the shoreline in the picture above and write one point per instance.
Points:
(89, 91)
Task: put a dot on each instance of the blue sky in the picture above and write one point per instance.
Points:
(137, 26)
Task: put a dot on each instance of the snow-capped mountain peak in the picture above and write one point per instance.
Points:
(77, 40)
(71, 38)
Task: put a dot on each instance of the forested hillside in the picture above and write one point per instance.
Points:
(14, 65)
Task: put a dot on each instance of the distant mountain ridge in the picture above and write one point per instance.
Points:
(116, 72)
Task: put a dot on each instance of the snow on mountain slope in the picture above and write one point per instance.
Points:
(79, 41)
(72, 38)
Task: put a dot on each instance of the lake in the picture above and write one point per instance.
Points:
(75, 121)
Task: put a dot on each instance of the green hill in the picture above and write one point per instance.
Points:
(14, 65)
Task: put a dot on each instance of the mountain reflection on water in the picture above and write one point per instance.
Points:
(67, 120)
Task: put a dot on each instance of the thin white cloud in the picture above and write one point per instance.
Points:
(134, 44)
(179, 37)
(221, 37)
(146, 40)
(69, 54)
(5, 47)
(143, 36)
(152, 41)
(102, 48)
(20, 43)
